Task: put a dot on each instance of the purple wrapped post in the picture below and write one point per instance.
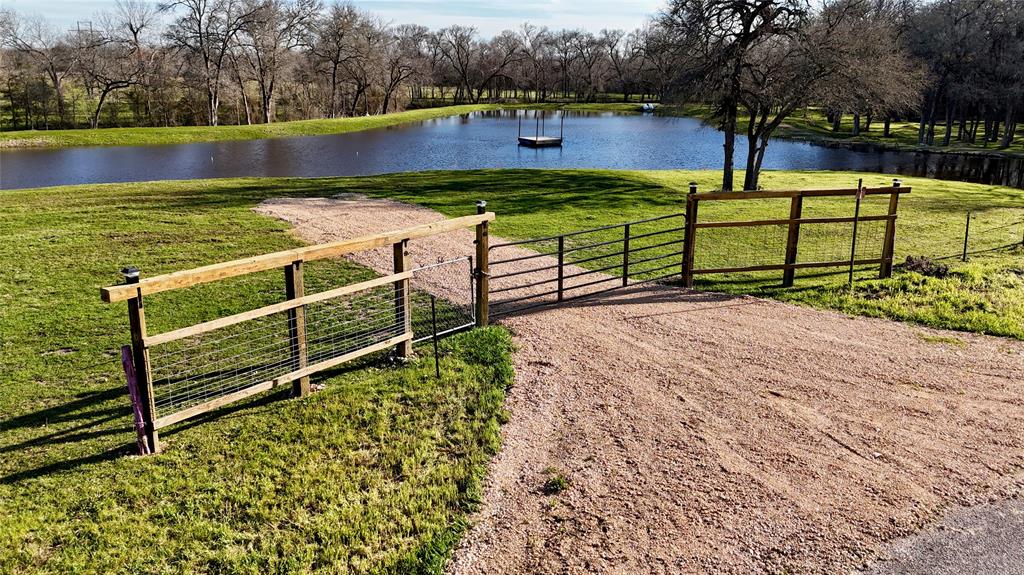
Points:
(133, 393)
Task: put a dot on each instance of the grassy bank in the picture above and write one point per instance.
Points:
(374, 474)
(812, 125)
(192, 134)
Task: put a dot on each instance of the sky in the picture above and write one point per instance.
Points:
(489, 17)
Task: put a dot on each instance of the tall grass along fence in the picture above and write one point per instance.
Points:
(839, 228)
(185, 372)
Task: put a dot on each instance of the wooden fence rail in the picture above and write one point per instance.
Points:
(297, 368)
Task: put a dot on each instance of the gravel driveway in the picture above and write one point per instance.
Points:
(702, 432)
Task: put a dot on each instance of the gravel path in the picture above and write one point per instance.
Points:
(710, 433)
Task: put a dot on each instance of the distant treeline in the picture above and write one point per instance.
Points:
(246, 61)
(956, 63)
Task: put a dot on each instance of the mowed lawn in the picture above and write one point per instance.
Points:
(376, 473)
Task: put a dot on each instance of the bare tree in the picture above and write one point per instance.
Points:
(110, 60)
(48, 48)
(402, 58)
(135, 20)
(535, 44)
(268, 36)
(206, 30)
(457, 46)
(332, 45)
(727, 33)
(363, 67)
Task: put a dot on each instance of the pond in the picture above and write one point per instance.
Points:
(478, 140)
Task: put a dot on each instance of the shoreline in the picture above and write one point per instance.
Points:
(789, 132)
(141, 136)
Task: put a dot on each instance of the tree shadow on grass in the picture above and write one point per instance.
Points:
(521, 192)
(72, 411)
(68, 464)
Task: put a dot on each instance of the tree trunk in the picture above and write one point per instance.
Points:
(754, 179)
(1010, 128)
(247, 107)
(387, 99)
(95, 120)
(927, 114)
(750, 170)
(856, 124)
(212, 103)
(837, 121)
(887, 126)
(950, 112)
(729, 127)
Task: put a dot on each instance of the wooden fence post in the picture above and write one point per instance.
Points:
(403, 298)
(689, 243)
(796, 208)
(482, 267)
(140, 356)
(889, 247)
(295, 287)
(128, 363)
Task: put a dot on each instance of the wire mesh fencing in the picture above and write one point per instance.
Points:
(220, 361)
(984, 231)
(453, 307)
(226, 360)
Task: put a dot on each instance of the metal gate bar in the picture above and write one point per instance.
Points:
(560, 279)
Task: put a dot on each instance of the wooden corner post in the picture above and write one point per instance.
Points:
(403, 298)
(689, 241)
(796, 207)
(140, 357)
(295, 288)
(888, 248)
(482, 270)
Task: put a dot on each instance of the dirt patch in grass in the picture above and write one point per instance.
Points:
(712, 433)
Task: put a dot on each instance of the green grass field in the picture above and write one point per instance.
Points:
(812, 125)
(190, 134)
(374, 474)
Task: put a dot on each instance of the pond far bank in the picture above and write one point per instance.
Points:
(195, 134)
(810, 126)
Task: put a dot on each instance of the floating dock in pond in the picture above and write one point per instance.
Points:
(539, 140)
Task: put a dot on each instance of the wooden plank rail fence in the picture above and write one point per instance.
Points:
(580, 263)
(793, 224)
(296, 367)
